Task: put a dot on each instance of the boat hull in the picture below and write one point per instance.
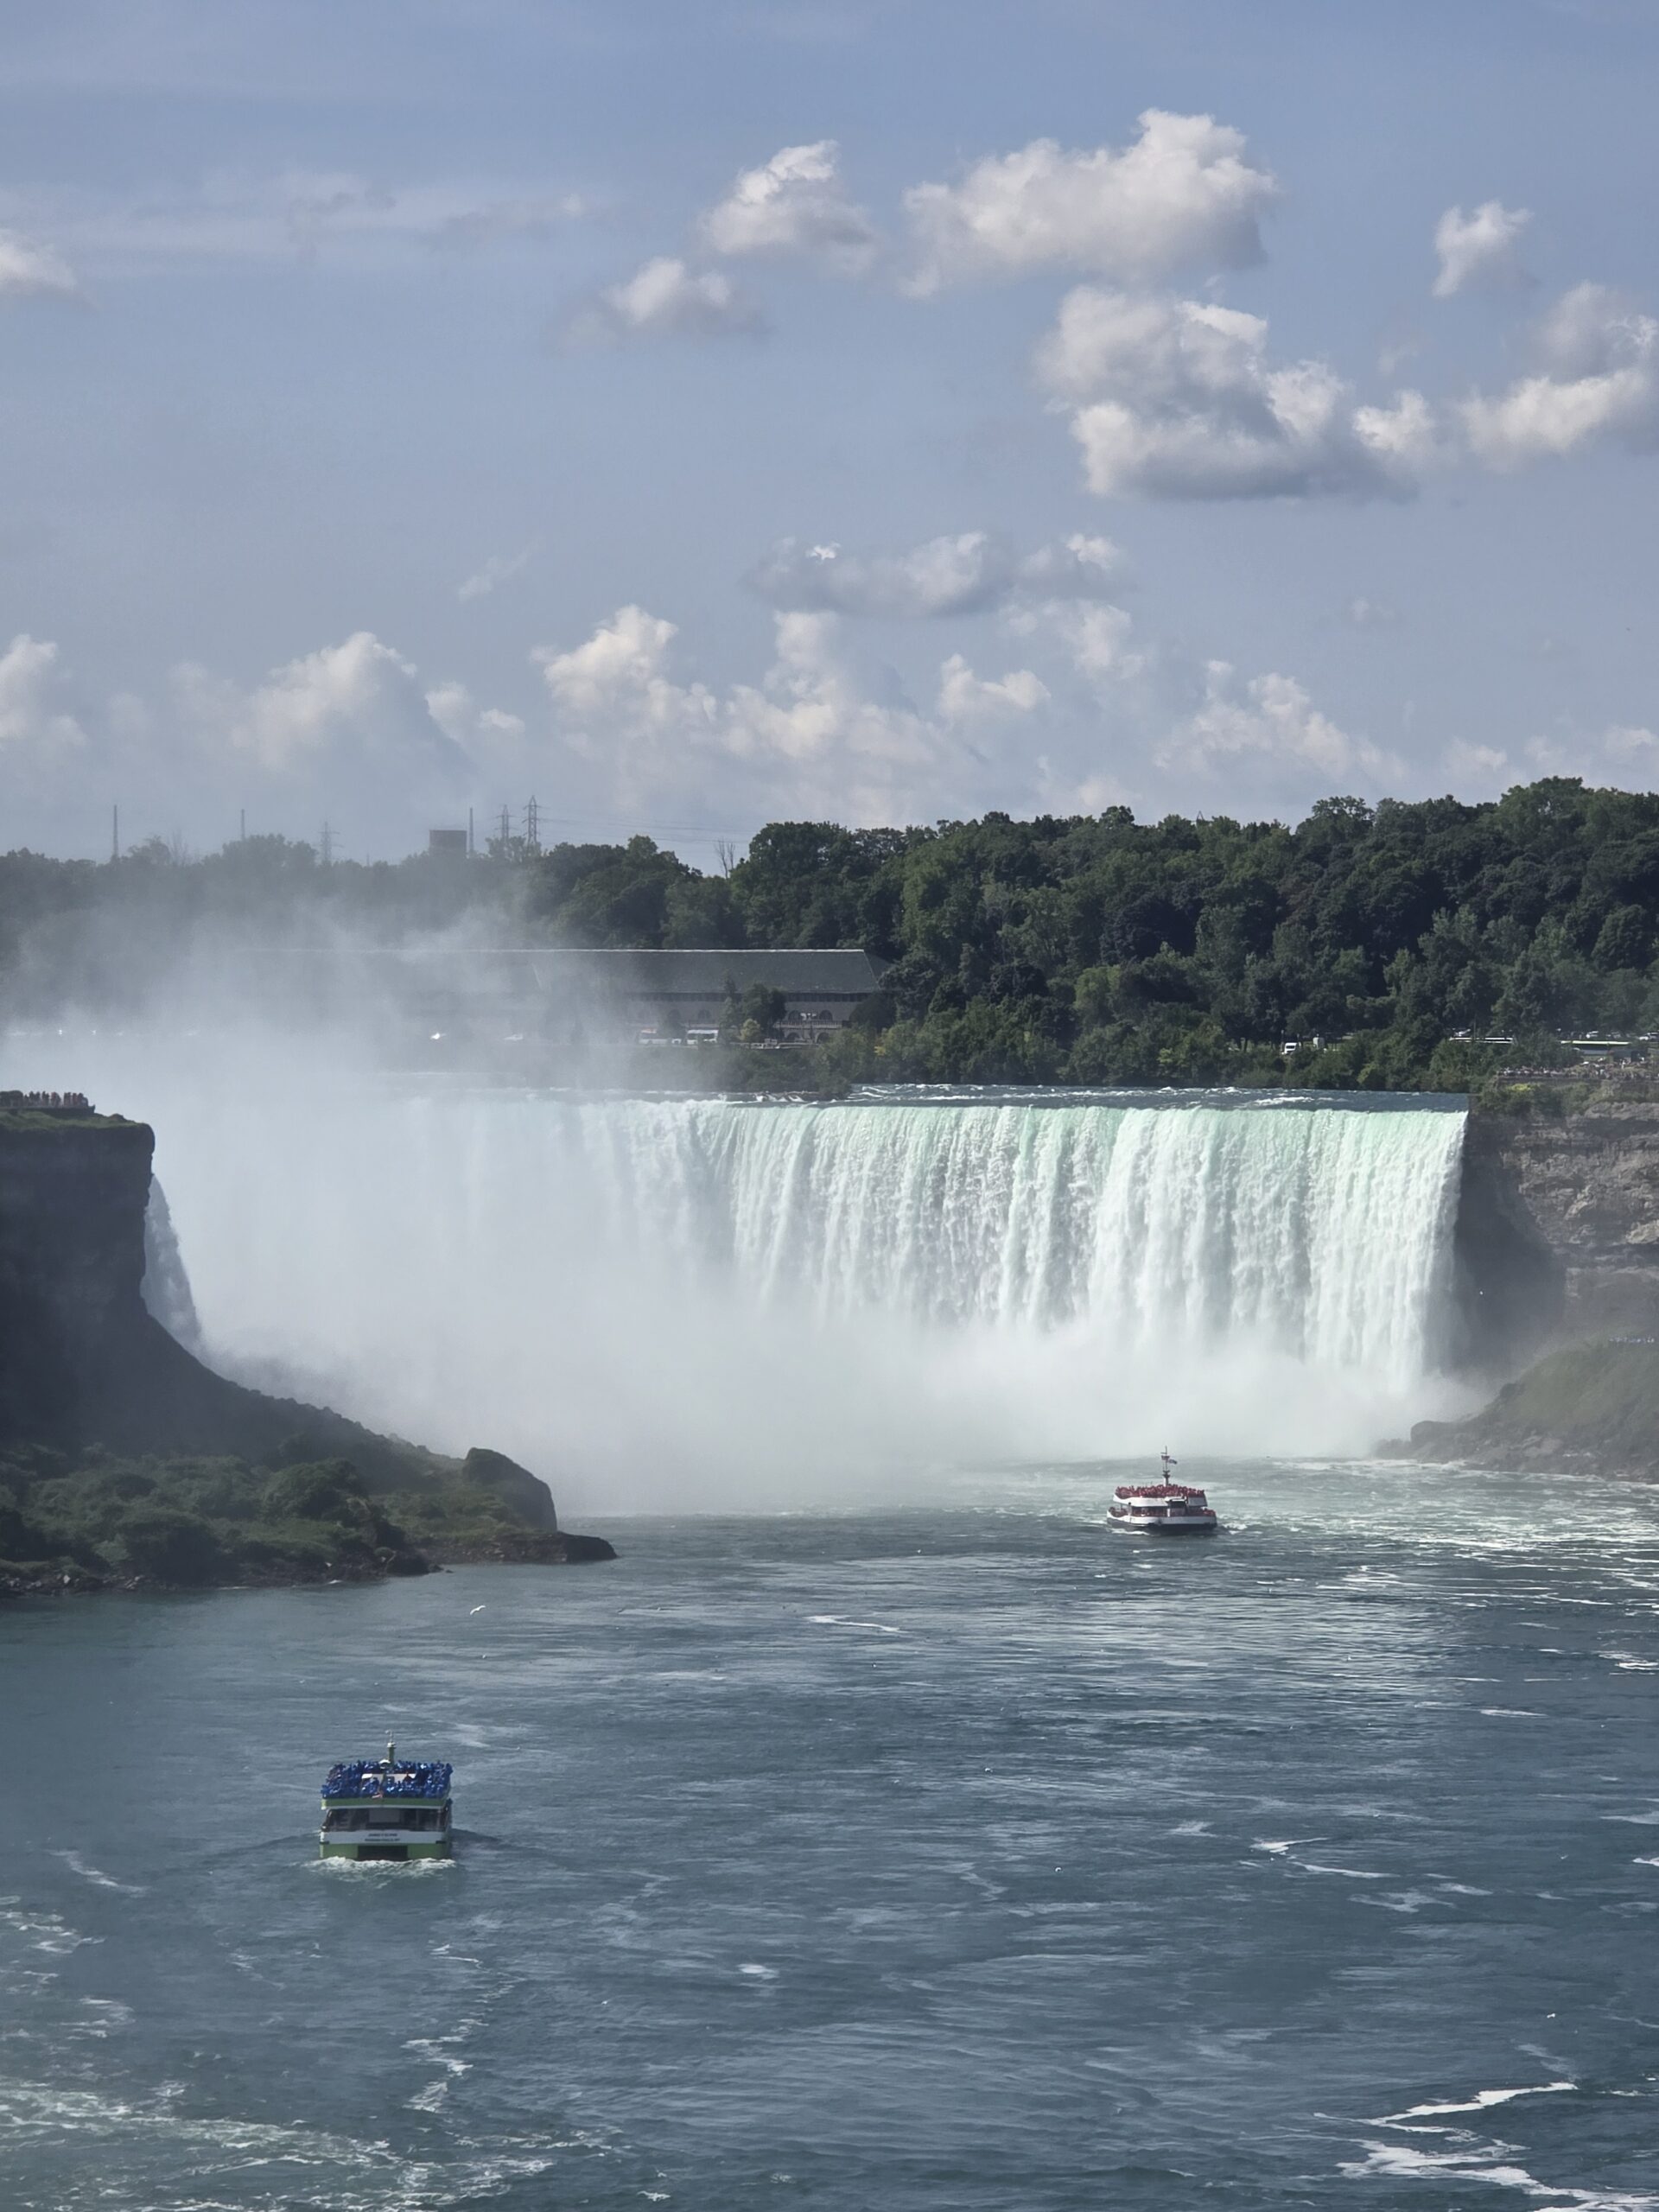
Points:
(1168, 1528)
(389, 1853)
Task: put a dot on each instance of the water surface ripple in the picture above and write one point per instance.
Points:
(950, 1858)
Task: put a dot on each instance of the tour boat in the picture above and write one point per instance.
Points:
(387, 1809)
(1162, 1508)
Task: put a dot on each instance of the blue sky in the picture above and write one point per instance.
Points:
(697, 414)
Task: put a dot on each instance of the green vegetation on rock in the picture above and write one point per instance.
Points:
(89, 1519)
(1590, 1405)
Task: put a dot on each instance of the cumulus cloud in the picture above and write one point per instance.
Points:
(31, 271)
(36, 732)
(1099, 641)
(968, 573)
(356, 701)
(1599, 378)
(794, 204)
(473, 728)
(1179, 399)
(499, 569)
(811, 732)
(1267, 721)
(1183, 194)
(965, 697)
(1479, 250)
(666, 298)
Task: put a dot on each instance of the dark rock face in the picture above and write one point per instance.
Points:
(72, 1259)
(527, 1494)
(1512, 1280)
(1559, 1232)
(84, 1362)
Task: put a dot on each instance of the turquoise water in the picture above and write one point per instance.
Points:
(955, 1858)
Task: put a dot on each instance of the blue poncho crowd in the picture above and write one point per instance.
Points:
(373, 1778)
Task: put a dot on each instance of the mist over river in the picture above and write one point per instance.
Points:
(947, 1858)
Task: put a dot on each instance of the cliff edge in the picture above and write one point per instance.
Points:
(1559, 1224)
(112, 1435)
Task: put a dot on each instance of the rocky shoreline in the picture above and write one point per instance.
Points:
(1589, 1408)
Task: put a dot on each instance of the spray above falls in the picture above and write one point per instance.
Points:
(693, 1301)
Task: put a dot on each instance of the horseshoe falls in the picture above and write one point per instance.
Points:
(673, 1303)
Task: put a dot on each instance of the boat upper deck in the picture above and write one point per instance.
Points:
(379, 1778)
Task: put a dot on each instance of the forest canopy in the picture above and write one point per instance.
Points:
(1399, 945)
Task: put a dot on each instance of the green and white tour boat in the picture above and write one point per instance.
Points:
(387, 1809)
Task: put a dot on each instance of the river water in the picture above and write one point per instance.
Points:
(950, 1858)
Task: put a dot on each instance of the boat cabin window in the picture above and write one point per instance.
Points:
(350, 1817)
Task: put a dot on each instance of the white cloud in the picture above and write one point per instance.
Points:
(1179, 399)
(795, 204)
(1099, 640)
(358, 701)
(1476, 764)
(965, 697)
(474, 728)
(967, 574)
(1266, 720)
(37, 734)
(1479, 248)
(1182, 193)
(499, 569)
(1078, 567)
(1630, 742)
(1599, 378)
(31, 271)
(622, 667)
(810, 734)
(666, 298)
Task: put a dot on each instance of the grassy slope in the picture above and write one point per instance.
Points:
(1591, 1405)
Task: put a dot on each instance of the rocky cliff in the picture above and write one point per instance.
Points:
(1559, 1227)
(89, 1376)
(72, 1195)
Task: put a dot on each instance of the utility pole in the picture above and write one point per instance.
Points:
(115, 833)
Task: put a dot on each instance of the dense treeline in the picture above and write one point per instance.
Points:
(1404, 937)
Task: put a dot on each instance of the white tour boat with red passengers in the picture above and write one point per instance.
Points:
(1162, 1508)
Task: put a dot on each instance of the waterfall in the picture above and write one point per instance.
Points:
(1322, 1232)
(165, 1287)
(684, 1301)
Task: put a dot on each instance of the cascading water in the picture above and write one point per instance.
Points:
(1322, 1232)
(713, 1301)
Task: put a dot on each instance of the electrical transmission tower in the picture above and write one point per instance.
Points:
(532, 828)
(326, 846)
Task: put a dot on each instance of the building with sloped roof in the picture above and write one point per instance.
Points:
(599, 994)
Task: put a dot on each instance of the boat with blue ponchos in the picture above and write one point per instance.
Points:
(388, 1808)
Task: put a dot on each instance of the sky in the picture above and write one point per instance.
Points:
(693, 413)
